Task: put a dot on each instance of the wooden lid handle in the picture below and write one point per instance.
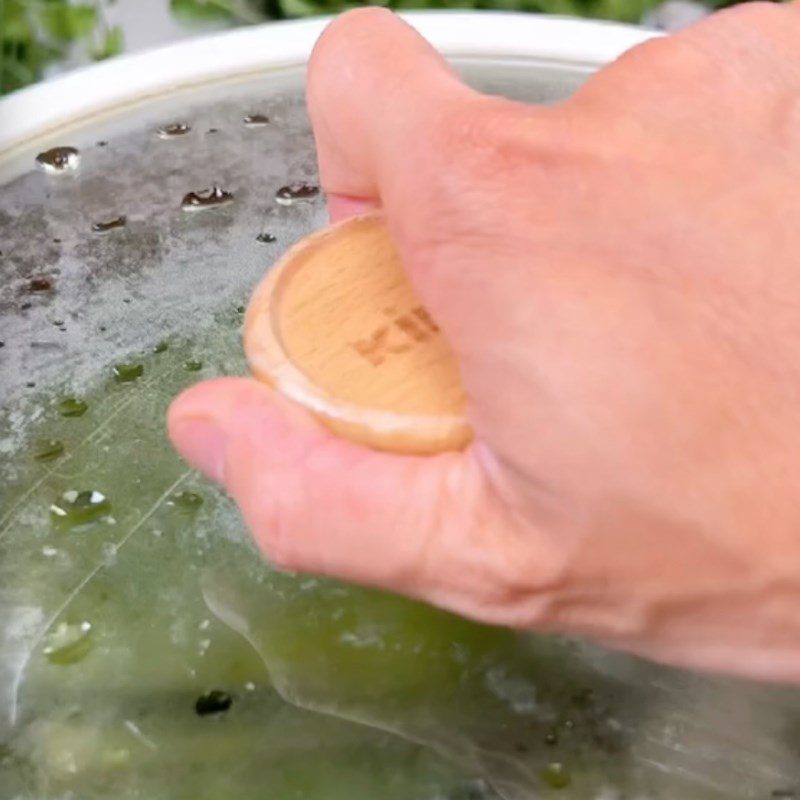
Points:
(337, 327)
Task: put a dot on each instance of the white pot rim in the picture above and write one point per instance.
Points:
(79, 95)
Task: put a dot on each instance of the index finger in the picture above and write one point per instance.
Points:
(375, 89)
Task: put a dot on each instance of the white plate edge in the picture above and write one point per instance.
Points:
(99, 88)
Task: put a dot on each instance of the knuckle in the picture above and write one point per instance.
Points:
(531, 583)
(518, 574)
(464, 124)
(479, 153)
(519, 598)
(666, 61)
(481, 135)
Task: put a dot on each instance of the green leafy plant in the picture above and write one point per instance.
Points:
(623, 10)
(36, 33)
(111, 44)
(242, 10)
(237, 11)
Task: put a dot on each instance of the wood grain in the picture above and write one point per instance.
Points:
(337, 326)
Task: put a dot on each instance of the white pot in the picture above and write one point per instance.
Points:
(104, 87)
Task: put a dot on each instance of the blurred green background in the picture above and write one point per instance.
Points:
(41, 35)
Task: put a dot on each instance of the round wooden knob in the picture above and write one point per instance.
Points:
(337, 327)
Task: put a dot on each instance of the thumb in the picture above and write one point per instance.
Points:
(317, 503)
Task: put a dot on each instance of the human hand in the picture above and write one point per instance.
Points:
(617, 276)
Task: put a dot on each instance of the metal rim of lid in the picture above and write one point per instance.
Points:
(270, 363)
(73, 99)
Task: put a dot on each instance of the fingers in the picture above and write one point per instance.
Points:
(375, 88)
(395, 126)
(458, 174)
(321, 504)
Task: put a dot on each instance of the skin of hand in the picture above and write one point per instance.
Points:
(618, 275)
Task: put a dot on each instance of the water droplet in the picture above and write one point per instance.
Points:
(190, 501)
(58, 322)
(49, 552)
(193, 366)
(75, 508)
(72, 407)
(249, 686)
(49, 450)
(266, 238)
(555, 775)
(40, 285)
(207, 198)
(569, 724)
(110, 224)
(172, 130)
(58, 160)
(296, 193)
(69, 643)
(127, 373)
(551, 739)
(214, 702)
(161, 347)
(256, 120)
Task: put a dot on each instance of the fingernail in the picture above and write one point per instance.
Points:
(202, 444)
(343, 207)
